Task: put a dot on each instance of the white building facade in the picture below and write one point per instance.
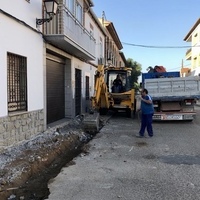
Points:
(193, 54)
(72, 39)
(21, 71)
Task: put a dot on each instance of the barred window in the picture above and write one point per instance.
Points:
(87, 92)
(17, 82)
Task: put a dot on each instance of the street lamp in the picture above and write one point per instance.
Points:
(51, 7)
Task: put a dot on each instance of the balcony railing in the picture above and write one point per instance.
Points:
(67, 33)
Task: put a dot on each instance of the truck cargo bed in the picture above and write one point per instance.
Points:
(174, 88)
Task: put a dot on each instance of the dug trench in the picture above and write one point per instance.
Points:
(29, 167)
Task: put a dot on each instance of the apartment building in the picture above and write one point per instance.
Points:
(193, 54)
(74, 42)
(113, 45)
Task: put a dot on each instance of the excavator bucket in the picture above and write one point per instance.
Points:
(91, 123)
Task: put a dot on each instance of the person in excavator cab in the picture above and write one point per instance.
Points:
(117, 85)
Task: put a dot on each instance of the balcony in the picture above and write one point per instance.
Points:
(188, 54)
(68, 34)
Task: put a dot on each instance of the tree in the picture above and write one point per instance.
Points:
(136, 72)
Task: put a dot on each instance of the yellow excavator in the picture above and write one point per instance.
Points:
(108, 96)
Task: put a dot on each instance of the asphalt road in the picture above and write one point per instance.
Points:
(120, 166)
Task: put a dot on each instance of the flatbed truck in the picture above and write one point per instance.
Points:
(174, 97)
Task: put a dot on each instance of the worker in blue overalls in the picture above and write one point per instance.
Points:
(147, 112)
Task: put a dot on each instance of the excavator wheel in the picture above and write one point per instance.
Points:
(103, 111)
(130, 113)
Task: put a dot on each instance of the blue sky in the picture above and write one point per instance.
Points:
(152, 23)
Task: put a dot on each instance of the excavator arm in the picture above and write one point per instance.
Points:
(100, 99)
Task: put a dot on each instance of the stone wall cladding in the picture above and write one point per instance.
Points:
(19, 127)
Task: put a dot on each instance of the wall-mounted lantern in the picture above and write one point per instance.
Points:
(51, 7)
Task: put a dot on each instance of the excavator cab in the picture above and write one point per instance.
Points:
(124, 76)
(123, 96)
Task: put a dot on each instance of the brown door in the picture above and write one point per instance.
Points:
(77, 92)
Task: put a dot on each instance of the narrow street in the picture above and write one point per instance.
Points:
(63, 60)
(117, 165)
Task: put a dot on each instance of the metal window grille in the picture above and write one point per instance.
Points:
(87, 93)
(17, 82)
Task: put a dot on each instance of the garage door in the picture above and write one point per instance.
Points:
(55, 91)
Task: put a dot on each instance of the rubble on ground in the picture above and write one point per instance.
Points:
(19, 163)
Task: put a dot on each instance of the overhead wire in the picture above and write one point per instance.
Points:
(160, 47)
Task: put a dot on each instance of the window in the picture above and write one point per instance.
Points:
(195, 39)
(91, 30)
(17, 82)
(199, 60)
(195, 63)
(79, 13)
(70, 5)
(87, 92)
